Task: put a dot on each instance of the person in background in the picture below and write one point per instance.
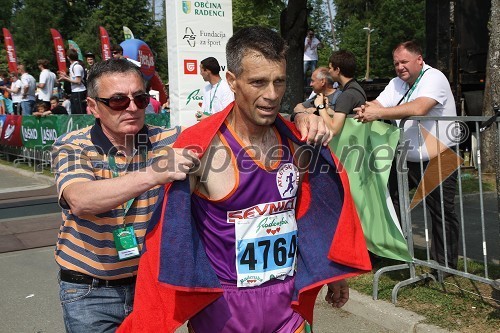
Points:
(66, 103)
(75, 77)
(41, 110)
(55, 107)
(46, 82)
(117, 51)
(420, 90)
(28, 90)
(90, 60)
(311, 46)
(216, 94)
(15, 91)
(322, 84)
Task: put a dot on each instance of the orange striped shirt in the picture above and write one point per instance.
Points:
(85, 243)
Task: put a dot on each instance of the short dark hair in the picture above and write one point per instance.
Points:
(211, 64)
(346, 61)
(110, 66)
(54, 98)
(72, 54)
(411, 46)
(116, 48)
(257, 39)
(42, 104)
(43, 62)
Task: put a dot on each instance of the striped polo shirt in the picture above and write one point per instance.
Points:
(85, 243)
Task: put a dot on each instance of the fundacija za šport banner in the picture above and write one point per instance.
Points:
(195, 30)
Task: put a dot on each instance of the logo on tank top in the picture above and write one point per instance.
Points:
(287, 180)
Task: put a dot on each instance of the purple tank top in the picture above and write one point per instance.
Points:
(263, 197)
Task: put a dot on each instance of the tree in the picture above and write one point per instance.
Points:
(393, 21)
(264, 13)
(492, 94)
(293, 24)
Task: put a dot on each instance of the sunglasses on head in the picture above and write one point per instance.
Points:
(120, 103)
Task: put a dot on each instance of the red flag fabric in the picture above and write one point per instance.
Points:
(175, 279)
(105, 45)
(59, 48)
(11, 51)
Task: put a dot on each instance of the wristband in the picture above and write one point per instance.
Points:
(292, 116)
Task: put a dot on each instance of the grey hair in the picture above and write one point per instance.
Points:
(324, 73)
(258, 39)
(108, 67)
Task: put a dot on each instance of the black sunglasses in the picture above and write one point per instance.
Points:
(120, 103)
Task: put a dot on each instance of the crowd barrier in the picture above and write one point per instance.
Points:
(479, 227)
(28, 139)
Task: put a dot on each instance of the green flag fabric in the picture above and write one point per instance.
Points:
(367, 151)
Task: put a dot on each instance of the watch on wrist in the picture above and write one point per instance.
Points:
(320, 107)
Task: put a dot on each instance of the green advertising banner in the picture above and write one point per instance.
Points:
(49, 130)
(41, 132)
(30, 132)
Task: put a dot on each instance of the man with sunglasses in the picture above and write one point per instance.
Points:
(109, 179)
(117, 51)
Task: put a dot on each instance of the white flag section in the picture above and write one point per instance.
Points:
(195, 30)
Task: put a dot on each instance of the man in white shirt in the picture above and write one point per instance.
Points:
(78, 89)
(311, 45)
(216, 94)
(420, 90)
(46, 83)
(28, 97)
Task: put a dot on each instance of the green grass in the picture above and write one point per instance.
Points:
(470, 183)
(35, 167)
(457, 304)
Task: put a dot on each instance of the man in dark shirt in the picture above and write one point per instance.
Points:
(342, 68)
(55, 108)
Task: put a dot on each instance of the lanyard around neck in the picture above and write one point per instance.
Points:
(213, 97)
(114, 171)
(408, 93)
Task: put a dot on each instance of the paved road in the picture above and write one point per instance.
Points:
(29, 301)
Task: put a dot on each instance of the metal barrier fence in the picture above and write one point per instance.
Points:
(479, 237)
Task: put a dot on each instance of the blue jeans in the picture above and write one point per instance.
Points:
(310, 64)
(27, 107)
(88, 308)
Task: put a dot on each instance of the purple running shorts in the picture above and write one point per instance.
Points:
(262, 309)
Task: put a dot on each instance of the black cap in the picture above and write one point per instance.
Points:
(89, 54)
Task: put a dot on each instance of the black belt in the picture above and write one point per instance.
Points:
(80, 278)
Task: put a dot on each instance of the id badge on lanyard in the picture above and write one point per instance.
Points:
(124, 237)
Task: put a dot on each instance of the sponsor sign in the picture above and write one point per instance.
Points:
(195, 31)
(30, 132)
(190, 66)
(11, 133)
